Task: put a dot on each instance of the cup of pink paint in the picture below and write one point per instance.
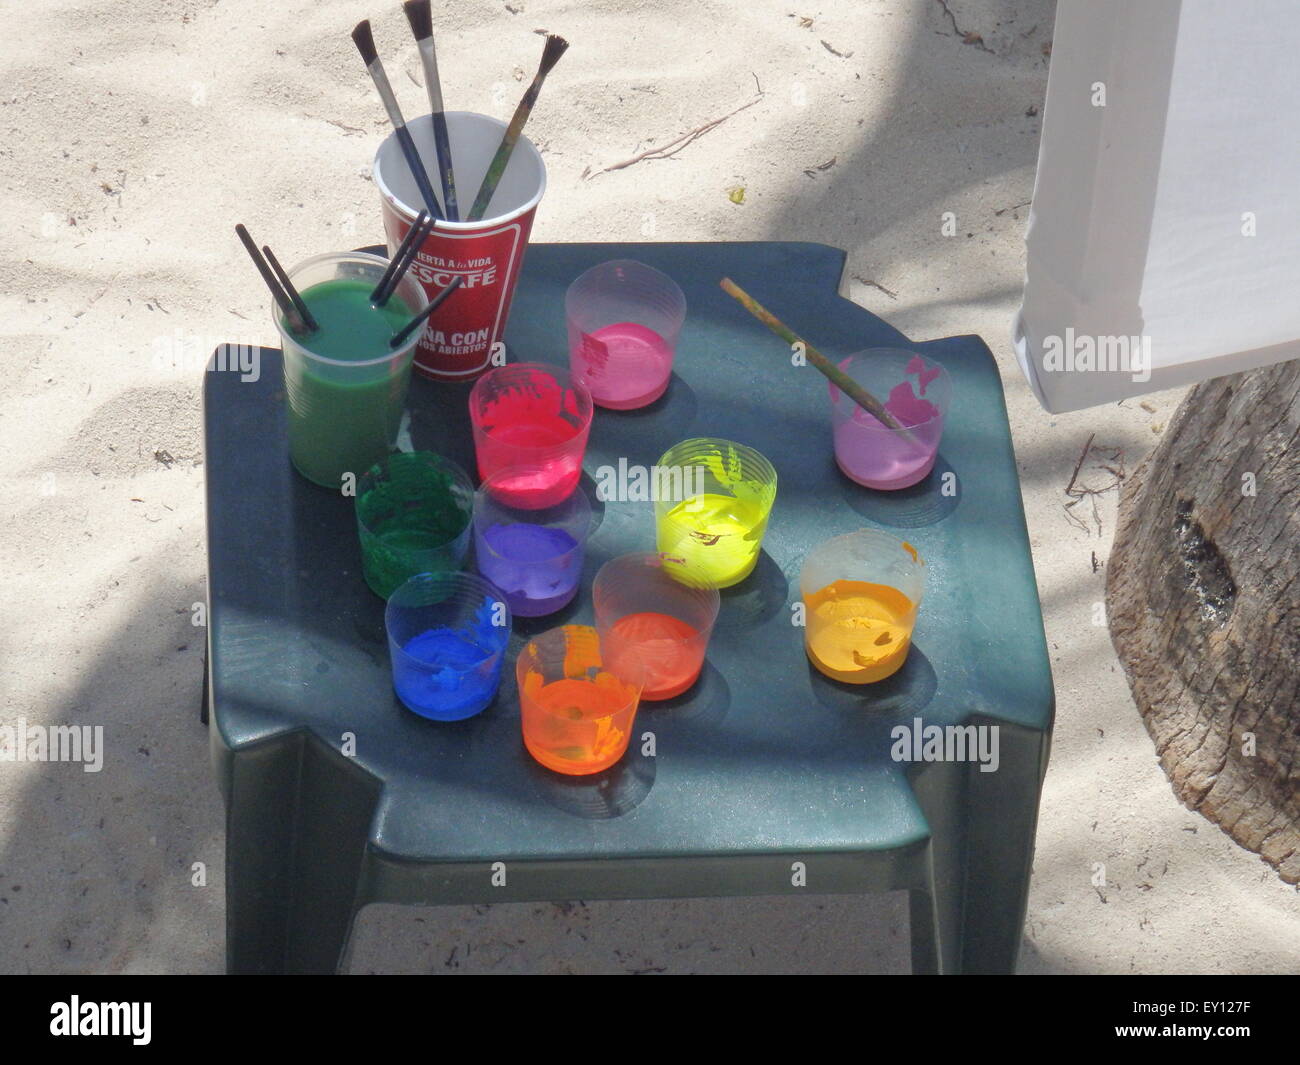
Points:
(916, 393)
(533, 419)
(624, 319)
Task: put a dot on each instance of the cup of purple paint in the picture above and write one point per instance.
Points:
(916, 393)
(533, 555)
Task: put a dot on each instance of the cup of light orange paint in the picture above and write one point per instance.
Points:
(576, 708)
(861, 593)
(650, 607)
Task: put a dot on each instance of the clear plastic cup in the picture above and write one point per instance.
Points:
(534, 556)
(648, 607)
(712, 501)
(447, 636)
(916, 392)
(576, 708)
(413, 516)
(624, 319)
(344, 411)
(534, 417)
(861, 593)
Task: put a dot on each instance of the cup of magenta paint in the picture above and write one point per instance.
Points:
(447, 636)
(624, 319)
(916, 392)
(486, 255)
(533, 556)
(536, 418)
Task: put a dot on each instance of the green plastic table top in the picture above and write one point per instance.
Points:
(764, 756)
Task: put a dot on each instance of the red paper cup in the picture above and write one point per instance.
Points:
(487, 254)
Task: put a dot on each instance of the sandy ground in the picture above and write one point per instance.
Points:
(136, 135)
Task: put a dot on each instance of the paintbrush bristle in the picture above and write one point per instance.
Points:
(555, 47)
(365, 41)
(419, 14)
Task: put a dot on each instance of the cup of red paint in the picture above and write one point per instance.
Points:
(624, 319)
(916, 393)
(486, 255)
(652, 611)
(534, 556)
(536, 418)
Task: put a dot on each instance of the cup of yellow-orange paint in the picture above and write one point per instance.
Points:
(712, 501)
(861, 593)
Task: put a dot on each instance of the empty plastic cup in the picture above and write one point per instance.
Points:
(624, 319)
(576, 709)
(916, 393)
(344, 386)
(861, 593)
(712, 502)
(413, 516)
(447, 636)
(533, 556)
(533, 416)
(649, 607)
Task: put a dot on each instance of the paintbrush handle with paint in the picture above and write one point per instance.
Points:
(555, 47)
(833, 373)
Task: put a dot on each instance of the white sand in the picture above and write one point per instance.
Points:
(136, 135)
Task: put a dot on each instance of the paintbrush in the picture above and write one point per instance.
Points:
(379, 295)
(298, 301)
(555, 47)
(833, 373)
(420, 16)
(365, 42)
(406, 257)
(281, 297)
(420, 318)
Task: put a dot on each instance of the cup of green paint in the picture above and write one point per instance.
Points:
(344, 385)
(413, 516)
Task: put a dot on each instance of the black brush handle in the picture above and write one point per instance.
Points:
(418, 172)
(419, 319)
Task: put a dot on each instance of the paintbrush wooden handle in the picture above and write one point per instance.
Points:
(555, 47)
(833, 373)
(499, 162)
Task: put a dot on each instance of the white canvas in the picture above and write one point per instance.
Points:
(1166, 211)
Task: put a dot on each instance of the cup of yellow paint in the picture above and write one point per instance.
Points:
(861, 593)
(712, 502)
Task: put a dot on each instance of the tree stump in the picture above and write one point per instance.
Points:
(1203, 597)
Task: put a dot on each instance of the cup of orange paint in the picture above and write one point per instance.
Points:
(650, 607)
(576, 708)
(861, 593)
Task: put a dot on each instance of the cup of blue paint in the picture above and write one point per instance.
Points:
(447, 636)
(533, 555)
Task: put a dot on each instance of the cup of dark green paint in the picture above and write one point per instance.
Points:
(345, 386)
(414, 512)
